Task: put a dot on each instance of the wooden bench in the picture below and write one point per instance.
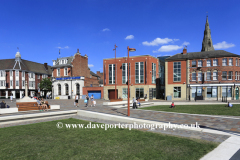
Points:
(26, 106)
(115, 100)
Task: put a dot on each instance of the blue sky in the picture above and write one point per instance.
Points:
(154, 27)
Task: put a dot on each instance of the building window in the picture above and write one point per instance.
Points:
(236, 62)
(153, 73)
(208, 76)
(227, 91)
(11, 83)
(194, 76)
(65, 72)
(125, 93)
(139, 92)
(139, 76)
(230, 61)
(193, 63)
(199, 63)
(177, 92)
(215, 75)
(154, 92)
(236, 75)
(230, 74)
(66, 89)
(77, 89)
(11, 73)
(111, 73)
(23, 83)
(2, 74)
(224, 75)
(224, 62)
(62, 61)
(125, 73)
(59, 89)
(38, 76)
(215, 62)
(23, 74)
(194, 90)
(58, 72)
(17, 83)
(176, 71)
(199, 76)
(17, 73)
(208, 63)
(211, 92)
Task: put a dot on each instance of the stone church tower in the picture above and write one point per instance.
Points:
(207, 40)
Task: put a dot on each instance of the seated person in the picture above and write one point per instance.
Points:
(44, 105)
(229, 104)
(2, 104)
(172, 105)
(39, 105)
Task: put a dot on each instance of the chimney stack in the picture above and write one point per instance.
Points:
(184, 50)
(45, 66)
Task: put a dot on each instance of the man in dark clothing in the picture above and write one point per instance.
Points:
(2, 105)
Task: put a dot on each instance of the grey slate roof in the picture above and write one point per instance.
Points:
(93, 74)
(69, 61)
(200, 55)
(8, 64)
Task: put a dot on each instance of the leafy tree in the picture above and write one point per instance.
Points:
(46, 85)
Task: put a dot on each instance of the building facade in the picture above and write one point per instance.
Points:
(70, 75)
(206, 75)
(14, 73)
(143, 74)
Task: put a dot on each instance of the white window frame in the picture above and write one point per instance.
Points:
(215, 75)
(11, 83)
(230, 62)
(16, 73)
(209, 63)
(23, 83)
(236, 75)
(111, 80)
(208, 76)
(23, 74)
(199, 76)
(140, 77)
(58, 72)
(195, 63)
(225, 75)
(154, 73)
(17, 83)
(199, 63)
(194, 78)
(65, 71)
(224, 62)
(215, 62)
(230, 75)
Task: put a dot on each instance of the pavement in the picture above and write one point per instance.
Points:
(227, 124)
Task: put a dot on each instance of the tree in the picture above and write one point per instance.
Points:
(46, 85)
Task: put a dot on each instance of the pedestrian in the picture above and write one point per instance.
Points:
(172, 105)
(11, 97)
(229, 104)
(3, 104)
(76, 100)
(87, 98)
(92, 101)
(134, 103)
(138, 101)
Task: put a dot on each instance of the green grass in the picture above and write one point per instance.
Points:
(46, 141)
(199, 109)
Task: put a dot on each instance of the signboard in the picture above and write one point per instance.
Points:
(68, 78)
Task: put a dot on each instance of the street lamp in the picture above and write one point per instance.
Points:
(115, 47)
(128, 66)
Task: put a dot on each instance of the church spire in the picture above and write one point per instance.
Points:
(207, 40)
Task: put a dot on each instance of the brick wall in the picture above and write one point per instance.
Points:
(183, 72)
(86, 89)
(80, 66)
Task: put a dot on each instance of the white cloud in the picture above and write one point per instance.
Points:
(158, 41)
(129, 37)
(223, 45)
(105, 29)
(185, 43)
(168, 48)
(90, 65)
(66, 47)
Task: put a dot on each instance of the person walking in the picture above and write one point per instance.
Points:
(11, 97)
(87, 98)
(134, 103)
(92, 101)
(76, 100)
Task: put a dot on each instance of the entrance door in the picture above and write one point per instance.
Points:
(111, 94)
(237, 93)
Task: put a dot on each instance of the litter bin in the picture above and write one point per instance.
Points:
(68, 97)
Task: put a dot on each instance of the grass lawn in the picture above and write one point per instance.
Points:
(46, 141)
(199, 109)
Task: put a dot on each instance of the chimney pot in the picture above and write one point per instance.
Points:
(45, 66)
(184, 50)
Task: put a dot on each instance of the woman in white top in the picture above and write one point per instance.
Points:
(76, 100)
(92, 99)
(11, 97)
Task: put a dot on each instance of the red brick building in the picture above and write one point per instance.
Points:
(143, 73)
(71, 74)
(15, 72)
(209, 74)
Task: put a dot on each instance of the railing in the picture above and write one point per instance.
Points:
(224, 98)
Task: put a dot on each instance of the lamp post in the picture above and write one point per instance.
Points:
(115, 47)
(128, 77)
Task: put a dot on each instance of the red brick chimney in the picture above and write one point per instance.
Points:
(184, 51)
(45, 66)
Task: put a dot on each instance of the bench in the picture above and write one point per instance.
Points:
(26, 106)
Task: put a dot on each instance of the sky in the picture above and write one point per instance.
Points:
(39, 28)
